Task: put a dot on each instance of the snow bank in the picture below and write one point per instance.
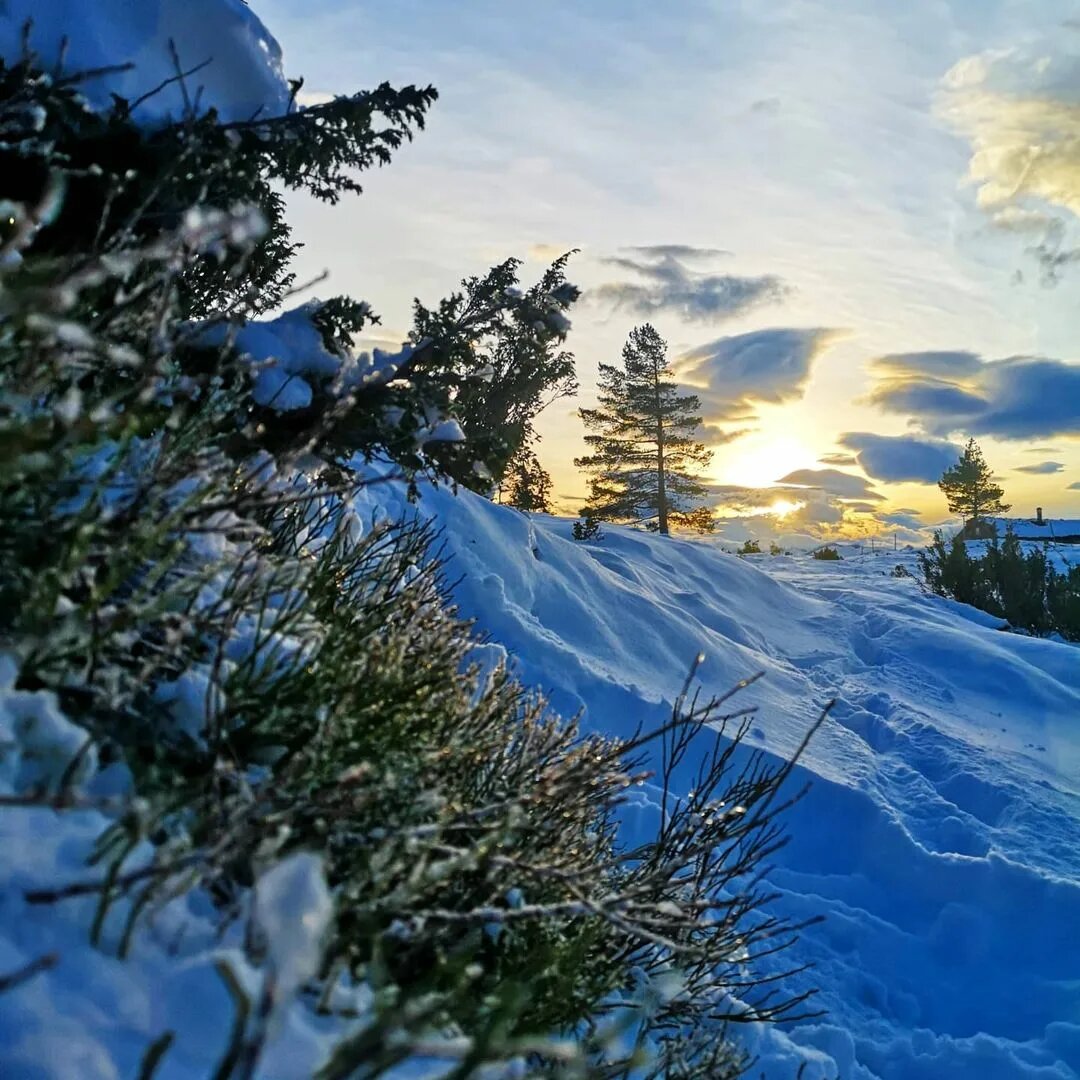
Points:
(80, 1011)
(939, 836)
(241, 73)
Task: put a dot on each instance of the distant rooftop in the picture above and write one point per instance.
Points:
(1039, 527)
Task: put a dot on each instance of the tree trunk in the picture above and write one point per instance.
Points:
(661, 484)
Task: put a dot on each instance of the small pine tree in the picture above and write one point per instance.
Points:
(528, 483)
(588, 528)
(642, 441)
(969, 486)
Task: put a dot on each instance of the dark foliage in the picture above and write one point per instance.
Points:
(124, 183)
(527, 485)
(1022, 587)
(588, 528)
(496, 350)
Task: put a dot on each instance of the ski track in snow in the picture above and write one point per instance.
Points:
(940, 833)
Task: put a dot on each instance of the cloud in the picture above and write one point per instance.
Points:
(819, 515)
(897, 459)
(671, 288)
(816, 510)
(744, 500)
(837, 459)
(678, 251)
(907, 519)
(1074, 486)
(1021, 397)
(1042, 450)
(931, 364)
(832, 482)
(768, 106)
(1043, 468)
(731, 375)
(1019, 108)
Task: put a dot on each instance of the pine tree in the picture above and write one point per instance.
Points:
(642, 441)
(969, 486)
(528, 483)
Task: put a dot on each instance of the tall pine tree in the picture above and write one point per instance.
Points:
(642, 442)
(969, 487)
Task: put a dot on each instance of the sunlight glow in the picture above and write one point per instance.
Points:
(783, 507)
(759, 460)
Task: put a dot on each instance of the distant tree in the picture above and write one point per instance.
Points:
(969, 486)
(527, 484)
(588, 528)
(642, 441)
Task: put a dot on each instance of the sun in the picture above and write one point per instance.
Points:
(760, 459)
(782, 507)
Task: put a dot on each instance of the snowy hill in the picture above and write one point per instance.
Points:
(939, 836)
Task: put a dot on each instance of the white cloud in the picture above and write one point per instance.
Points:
(1020, 110)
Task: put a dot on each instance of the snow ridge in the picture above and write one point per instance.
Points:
(939, 835)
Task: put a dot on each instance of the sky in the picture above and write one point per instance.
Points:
(855, 225)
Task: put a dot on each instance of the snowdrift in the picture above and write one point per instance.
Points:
(939, 836)
(234, 63)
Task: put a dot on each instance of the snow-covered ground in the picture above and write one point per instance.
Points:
(940, 836)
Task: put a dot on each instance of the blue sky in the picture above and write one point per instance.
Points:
(845, 183)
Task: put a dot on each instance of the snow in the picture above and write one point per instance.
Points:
(1029, 529)
(88, 1014)
(242, 77)
(289, 361)
(939, 835)
(293, 907)
(37, 742)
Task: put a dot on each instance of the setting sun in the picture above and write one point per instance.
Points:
(783, 507)
(759, 460)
